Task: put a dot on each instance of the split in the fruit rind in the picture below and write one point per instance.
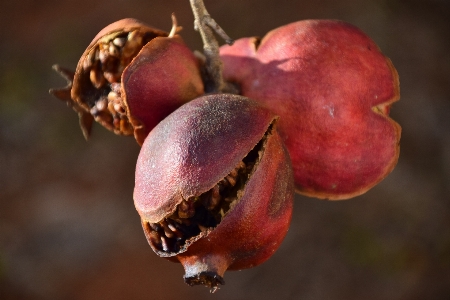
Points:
(97, 83)
(195, 217)
(214, 187)
(131, 77)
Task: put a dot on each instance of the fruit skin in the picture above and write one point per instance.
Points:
(188, 153)
(255, 228)
(332, 88)
(161, 78)
(160, 74)
(84, 95)
(194, 148)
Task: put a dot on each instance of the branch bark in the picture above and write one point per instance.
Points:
(207, 26)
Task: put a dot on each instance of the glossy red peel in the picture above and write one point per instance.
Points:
(332, 88)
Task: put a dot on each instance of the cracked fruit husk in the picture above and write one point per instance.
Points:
(130, 77)
(214, 187)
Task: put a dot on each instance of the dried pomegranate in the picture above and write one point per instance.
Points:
(332, 88)
(130, 77)
(214, 187)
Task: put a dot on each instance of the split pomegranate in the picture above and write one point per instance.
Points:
(130, 77)
(214, 187)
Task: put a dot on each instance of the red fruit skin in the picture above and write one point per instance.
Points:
(255, 228)
(332, 88)
(193, 149)
(161, 78)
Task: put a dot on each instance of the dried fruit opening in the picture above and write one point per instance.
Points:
(196, 216)
(103, 66)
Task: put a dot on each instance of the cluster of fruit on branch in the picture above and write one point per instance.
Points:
(229, 136)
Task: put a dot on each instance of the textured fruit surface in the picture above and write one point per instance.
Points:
(258, 223)
(96, 86)
(214, 187)
(193, 149)
(84, 90)
(130, 77)
(332, 88)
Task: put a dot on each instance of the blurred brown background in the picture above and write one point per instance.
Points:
(68, 228)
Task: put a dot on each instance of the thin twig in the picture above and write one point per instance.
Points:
(206, 26)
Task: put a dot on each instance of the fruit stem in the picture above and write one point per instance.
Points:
(207, 270)
(207, 26)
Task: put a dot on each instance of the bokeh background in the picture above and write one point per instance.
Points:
(68, 227)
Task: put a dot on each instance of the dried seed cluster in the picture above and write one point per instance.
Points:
(104, 64)
(202, 213)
